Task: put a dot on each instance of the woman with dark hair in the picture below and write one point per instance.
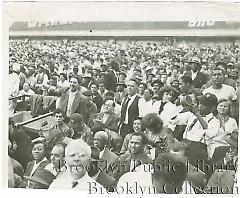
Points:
(224, 125)
(158, 137)
(39, 151)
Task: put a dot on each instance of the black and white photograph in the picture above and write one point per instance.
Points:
(121, 97)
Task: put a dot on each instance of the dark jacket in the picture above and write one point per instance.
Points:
(79, 105)
(111, 122)
(111, 81)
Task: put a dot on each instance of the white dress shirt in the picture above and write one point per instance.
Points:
(71, 98)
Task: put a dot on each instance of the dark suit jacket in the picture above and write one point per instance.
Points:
(111, 122)
(79, 105)
(98, 100)
(110, 81)
(108, 160)
(200, 80)
(106, 181)
(29, 170)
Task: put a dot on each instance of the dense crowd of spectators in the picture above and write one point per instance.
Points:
(120, 111)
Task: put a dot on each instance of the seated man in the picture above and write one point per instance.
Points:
(107, 119)
(97, 174)
(78, 158)
(56, 167)
(108, 158)
(135, 156)
(41, 179)
(59, 116)
(78, 129)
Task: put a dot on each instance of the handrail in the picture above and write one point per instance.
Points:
(17, 97)
(33, 119)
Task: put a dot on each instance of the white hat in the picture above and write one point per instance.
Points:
(16, 67)
(149, 68)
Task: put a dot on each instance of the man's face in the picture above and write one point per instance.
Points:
(194, 67)
(147, 94)
(76, 125)
(204, 109)
(77, 159)
(184, 86)
(59, 118)
(99, 141)
(217, 76)
(164, 78)
(108, 106)
(94, 89)
(101, 87)
(132, 88)
(156, 87)
(73, 84)
(57, 156)
(26, 87)
(141, 89)
(135, 144)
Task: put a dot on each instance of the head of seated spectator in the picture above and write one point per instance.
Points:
(167, 94)
(207, 103)
(147, 94)
(62, 77)
(57, 156)
(108, 105)
(179, 148)
(76, 122)
(137, 143)
(59, 116)
(40, 180)
(101, 140)
(78, 158)
(186, 84)
(152, 122)
(138, 125)
(169, 173)
(39, 150)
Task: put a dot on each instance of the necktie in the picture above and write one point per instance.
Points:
(161, 107)
(124, 109)
(74, 184)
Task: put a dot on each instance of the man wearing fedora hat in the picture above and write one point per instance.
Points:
(40, 180)
(198, 78)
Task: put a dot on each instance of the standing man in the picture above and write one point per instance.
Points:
(73, 101)
(129, 108)
(198, 78)
(111, 77)
(14, 82)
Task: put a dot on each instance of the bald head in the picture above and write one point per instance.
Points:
(100, 139)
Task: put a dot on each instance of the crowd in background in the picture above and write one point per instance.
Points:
(130, 105)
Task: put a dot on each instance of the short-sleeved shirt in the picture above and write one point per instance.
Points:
(226, 92)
